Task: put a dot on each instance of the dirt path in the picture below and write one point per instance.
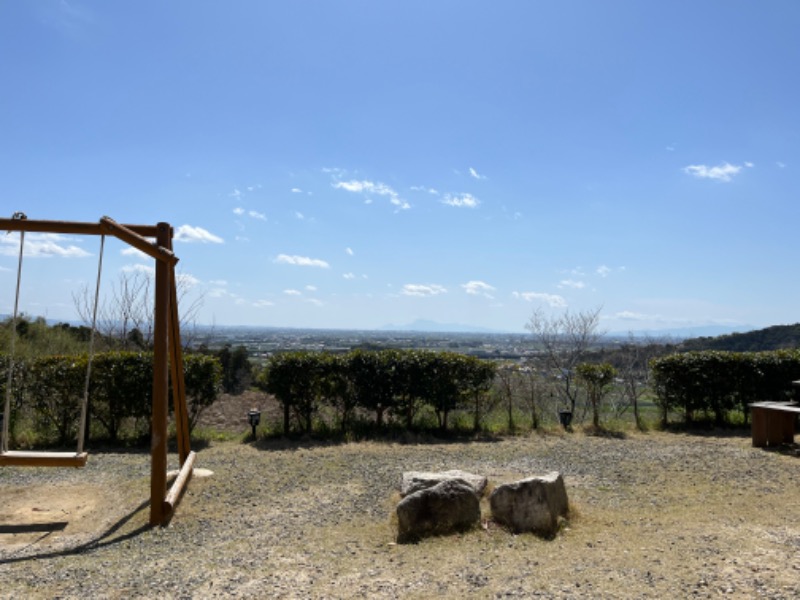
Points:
(654, 516)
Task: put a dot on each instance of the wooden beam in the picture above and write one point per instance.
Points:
(178, 382)
(158, 250)
(70, 227)
(19, 458)
(160, 413)
(176, 490)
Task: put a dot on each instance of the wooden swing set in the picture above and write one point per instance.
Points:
(167, 359)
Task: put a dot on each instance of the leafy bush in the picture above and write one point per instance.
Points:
(50, 390)
(716, 383)
(385, 382)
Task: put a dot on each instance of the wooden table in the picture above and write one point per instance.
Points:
(773, 423)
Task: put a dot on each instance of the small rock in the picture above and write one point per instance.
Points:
(533, 504)
(413, 481)
(447, 507)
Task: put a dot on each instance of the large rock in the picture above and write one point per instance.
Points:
(413, 481)
(534, 504)
(447, 507)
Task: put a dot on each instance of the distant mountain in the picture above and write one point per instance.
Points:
(682, 333)
(436, 327)
(777, 337)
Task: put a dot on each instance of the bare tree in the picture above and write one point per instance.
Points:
(532, 393)
(505, 379)
(634, 370)
(127, 315)
(564, 340)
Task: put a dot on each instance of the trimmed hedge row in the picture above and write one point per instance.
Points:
(48, 391)
(718, 383)
(397, 383)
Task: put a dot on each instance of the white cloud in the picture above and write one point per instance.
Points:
(147, 270)
(238, 211)
(188, 233)
(131, 251)
(235, 193)
(420, 188)
(723, 172)
(749, 165)
(414, 289)
(311, 288)
(263, 303)
(781, 165)
(349, 251)
(186, 280)
(552, 300)
(603, 271)
(300, 216)
(474, 174)
(301, 261)
(41, 245)
(400, 204)
(293, 292)
(338, 172)
(297, 191)
(571, 283)
(349, 276)
(257, 215)
(462, 201)
(369, 187)
(478, 288)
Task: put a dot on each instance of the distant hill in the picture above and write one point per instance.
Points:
(681, 333)
(777, 337)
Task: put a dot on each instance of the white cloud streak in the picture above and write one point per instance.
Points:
(478, 288)
(461, 201)
(423, 291)
(41, 245)
(147, 270)
(552, 300)
(371, 188)
(475, 175)
(723, 172)
(190, 234)
(300, 261)
(571, 283)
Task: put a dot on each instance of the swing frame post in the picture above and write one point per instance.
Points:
(167, 360)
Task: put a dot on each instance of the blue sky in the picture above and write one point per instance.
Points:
(353, 164)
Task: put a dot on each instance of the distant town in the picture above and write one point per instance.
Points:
(261, 342)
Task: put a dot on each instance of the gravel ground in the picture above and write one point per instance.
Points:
(654, 515)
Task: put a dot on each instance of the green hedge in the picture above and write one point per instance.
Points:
(399, 383)
(714, 383)
(48, 392)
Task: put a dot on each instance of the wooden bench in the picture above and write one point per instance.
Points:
(773, 423)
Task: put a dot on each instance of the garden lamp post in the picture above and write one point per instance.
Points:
(254, 418)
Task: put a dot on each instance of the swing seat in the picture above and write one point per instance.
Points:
(19, 458)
